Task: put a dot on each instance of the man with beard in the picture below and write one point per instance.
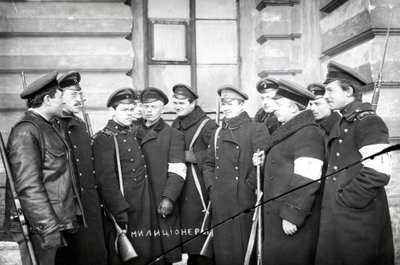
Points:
(267, 88)
(87, 246)
(163, 149)
(197, 128)
(124, 184)
(40, 165)
(294, 157)
(355, 225)
(230, 176)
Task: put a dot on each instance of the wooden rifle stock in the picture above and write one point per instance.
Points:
(19, 212)
(207, 249)
(377, 85)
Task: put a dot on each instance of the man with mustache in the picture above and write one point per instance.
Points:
(355, 225)
(87, 246)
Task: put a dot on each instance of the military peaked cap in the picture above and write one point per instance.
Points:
(70, 80)
(46, 82)
(230, 92)
(122, 95)
(317, 89)
(184, 91)
(294, 92)
(136, 93)
(151, 94)
(338, 71)
(267, 84)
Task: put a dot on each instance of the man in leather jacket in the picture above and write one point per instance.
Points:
(41, 169)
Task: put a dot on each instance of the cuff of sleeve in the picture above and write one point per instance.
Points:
(48, 228)
(293, 214)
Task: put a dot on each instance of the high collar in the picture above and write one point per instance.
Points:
(116, 127)
(301, 120)
(350, 107)
(328, 123)
(156, 126)
(236, 122)
(355, 108)
(190, 119)
(68, 115)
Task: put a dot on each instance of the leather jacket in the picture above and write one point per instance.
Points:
(41, 169)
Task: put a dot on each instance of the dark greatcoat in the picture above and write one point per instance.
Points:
(192, 213)
(231, 177)
(268, 119)
(355, 223)
(136, 200)
(162, 144)
(87, 246)
(326, 125)
(299, 137)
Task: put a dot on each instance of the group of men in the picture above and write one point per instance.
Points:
(160, 181)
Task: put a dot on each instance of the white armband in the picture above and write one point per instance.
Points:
(178, 168)
(308, 167)
(381, 163)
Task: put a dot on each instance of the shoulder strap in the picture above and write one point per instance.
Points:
(196, 135)
(121, 184)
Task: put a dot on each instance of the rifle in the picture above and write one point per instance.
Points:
(256, 228)
(23, 80)
(207, 249)
(85, 115)
(377, 85)
(19, 212)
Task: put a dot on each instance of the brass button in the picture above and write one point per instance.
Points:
(337, 154)
(334, 179)
(236, 178)
(340, 141)
(335, 168)
(346, 130)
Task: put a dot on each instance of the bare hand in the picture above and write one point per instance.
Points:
(258, 158)
(166, 206)
(288, 227)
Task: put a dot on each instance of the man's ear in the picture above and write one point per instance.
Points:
(112, 110)
(350, 91)
(46, 100)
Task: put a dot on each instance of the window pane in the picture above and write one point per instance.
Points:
(165, 77)
(225, 9)
(168, 9)
(169, 42)
(216, 42)
(210, 78)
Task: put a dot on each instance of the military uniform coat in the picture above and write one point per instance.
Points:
(136, 200)
(268, 119)
(192, 209)
(87, 246)
(298, 138)
(355, 223)
(231, 177)
(162, 145)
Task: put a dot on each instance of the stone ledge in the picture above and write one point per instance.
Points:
(267, 37)
(332, 5)
(261, 4)
(266, 73)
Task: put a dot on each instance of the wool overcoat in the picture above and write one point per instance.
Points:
(162, 147)
(298, 138)
(192, 209)
(231, 177)
(136, 199)
(87, 246)
(355, 223)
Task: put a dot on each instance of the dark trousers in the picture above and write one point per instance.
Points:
(199, 260)
(43, 256)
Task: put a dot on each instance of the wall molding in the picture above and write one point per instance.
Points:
(266, 73)
(264, 3)
(267, 37)
(358, 39)
(332, 5)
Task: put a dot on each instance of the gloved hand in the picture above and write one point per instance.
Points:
(52, 240)
(166, 207)
(190, 157)
(122, 219)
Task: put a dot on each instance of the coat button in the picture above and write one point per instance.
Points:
(77, 160)
(216, 157)
(124, 140)
(340, 141)
(145, 176)
(334, 179)
(346, 130)
(75, 146)
(69, 132)
(145, 166)
(216, 177)
(272, 161)
(131, 159)
(217, 167)
(94, 172)
(80, 174)
(335, 168)
(134, 179)
(237, 147)
(236, 168)
(337, 154)
(129, 149)
(217, 147)
(236, 178)
(133, 170)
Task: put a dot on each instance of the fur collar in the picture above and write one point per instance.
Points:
(301, 120)
(268, 119)
(328, 123)
(183, 123)
(236, 122)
